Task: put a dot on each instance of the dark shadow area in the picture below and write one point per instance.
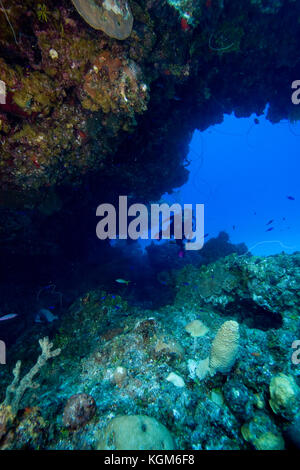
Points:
(254, 316)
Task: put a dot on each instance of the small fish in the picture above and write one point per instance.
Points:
(256, 121)
(255, 354)
(291, 198)
(270, 221)
(233, 227)
(9, 316)
(269, 229)
(44, 315)
(122, 281)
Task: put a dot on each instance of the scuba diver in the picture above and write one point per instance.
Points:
(180, 242)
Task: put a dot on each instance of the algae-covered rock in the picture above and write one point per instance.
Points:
(269, 441)
(135, 432)
(262, 433)
(284, 395)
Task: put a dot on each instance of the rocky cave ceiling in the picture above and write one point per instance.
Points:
(88, 116)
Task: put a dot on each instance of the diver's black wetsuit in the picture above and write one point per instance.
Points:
(179, 241)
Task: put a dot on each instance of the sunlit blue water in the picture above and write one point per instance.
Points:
(243, 173)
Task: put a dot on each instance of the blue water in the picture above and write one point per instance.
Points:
(243, 173)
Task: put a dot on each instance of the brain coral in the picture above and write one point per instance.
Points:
(113, 17)
(224, 347)
(135, 432)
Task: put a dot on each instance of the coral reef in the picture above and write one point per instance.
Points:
(96, 109)
(140, 364)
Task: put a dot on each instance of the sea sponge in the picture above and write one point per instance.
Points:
(224, 347)
(79, 409)
(135, 432)
(176, 380)
(196, 328)
(113, 17)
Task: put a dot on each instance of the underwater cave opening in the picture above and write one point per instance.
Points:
(245, 171)
(249, 313)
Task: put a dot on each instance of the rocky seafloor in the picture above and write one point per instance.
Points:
(215, 369)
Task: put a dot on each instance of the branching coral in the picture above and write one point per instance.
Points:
(17, 388)
(9, 22)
